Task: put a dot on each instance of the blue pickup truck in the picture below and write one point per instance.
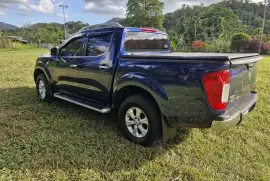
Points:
(133, 72)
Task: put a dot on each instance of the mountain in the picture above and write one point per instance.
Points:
(116, 20)
(5, 26)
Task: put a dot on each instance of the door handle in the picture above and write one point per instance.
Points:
(104, 67)
(73, 66)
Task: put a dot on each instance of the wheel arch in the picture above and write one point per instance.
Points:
(40, 71)
(130, 90)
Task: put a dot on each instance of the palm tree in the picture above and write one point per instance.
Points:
(197, 24)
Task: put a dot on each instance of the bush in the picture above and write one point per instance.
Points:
(239, 41)
(218, 46)
(198, 45)
(254, 45)
(173, 46)
(5, 43)
(20, 46)
(8, 45)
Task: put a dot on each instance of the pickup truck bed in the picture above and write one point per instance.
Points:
(179, 75)
(215, 57)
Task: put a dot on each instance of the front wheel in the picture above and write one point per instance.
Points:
(140, 120)
(44, 89)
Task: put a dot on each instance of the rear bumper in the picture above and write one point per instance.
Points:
(236, 115)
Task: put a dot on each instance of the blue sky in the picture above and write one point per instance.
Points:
(21, 12)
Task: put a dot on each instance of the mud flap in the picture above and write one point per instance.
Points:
(167, 132)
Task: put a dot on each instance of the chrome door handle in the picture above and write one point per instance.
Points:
(73, 66)
(104, 67)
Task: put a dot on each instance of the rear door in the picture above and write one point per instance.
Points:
(243, 79)
(96, 67)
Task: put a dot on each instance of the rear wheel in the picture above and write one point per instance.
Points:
(140, 120)
(44, 88)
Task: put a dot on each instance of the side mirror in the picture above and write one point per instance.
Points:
(54, 51)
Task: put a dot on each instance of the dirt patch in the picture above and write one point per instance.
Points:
(16, 123)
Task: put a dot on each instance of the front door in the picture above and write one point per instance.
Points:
(96, 67)
(67, 63)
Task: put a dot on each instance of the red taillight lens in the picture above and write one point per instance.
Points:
(217, 88)
(254, 88)
(148, 30)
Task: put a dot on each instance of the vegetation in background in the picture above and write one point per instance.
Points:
(214, 25)
(198, 45)
(239, 41)
(254, 44)
(145, 13)
(45, 32)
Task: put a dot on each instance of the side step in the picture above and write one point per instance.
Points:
(90, 104)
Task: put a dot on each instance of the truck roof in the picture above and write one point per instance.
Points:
(113, 25)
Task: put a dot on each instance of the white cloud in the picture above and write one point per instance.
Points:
(45, 6)
(23, 8)
(2, 13)
(111, 8)
(61, 15)
(4, 6)
(14, 1)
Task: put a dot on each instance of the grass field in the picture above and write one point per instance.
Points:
(60, 141)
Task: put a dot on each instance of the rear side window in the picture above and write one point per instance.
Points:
(146, 42)
(98, 45)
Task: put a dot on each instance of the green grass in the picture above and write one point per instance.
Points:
(60, 141)
(18, 47)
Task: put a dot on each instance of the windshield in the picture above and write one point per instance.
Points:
(146, 42)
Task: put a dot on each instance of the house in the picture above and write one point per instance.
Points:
(16, 39)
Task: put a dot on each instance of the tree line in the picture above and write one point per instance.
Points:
(198, 28)
(45, 32)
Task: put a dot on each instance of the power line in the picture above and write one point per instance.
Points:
(64, 7)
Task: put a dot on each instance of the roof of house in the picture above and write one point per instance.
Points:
(18, 38)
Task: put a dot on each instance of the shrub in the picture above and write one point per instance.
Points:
(239, 41)
(5, 43)
(20, 46)
(254, 45)
(173, 46)
(218, 46)
(198, 45)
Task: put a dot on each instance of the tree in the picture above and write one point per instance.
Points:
(145, 13)
(173, 46)
(197, 23)
(239, 41)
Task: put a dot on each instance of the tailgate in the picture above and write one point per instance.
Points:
(243, 70)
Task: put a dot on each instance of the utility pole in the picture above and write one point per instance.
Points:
(260, 48)
(64, 7)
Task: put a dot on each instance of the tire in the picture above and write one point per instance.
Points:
(136, 131)
(47, 93)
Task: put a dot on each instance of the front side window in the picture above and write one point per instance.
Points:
(74, 47)
(146, 42)
(98, 45)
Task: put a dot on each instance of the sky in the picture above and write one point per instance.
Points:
(21, 12)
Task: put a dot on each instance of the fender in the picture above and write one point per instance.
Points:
(142, 81)
(45, 71)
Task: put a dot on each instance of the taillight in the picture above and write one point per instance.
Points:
(217, 88)
(254, 88)
(148, 30)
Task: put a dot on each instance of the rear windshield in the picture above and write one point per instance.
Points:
(146, 42)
